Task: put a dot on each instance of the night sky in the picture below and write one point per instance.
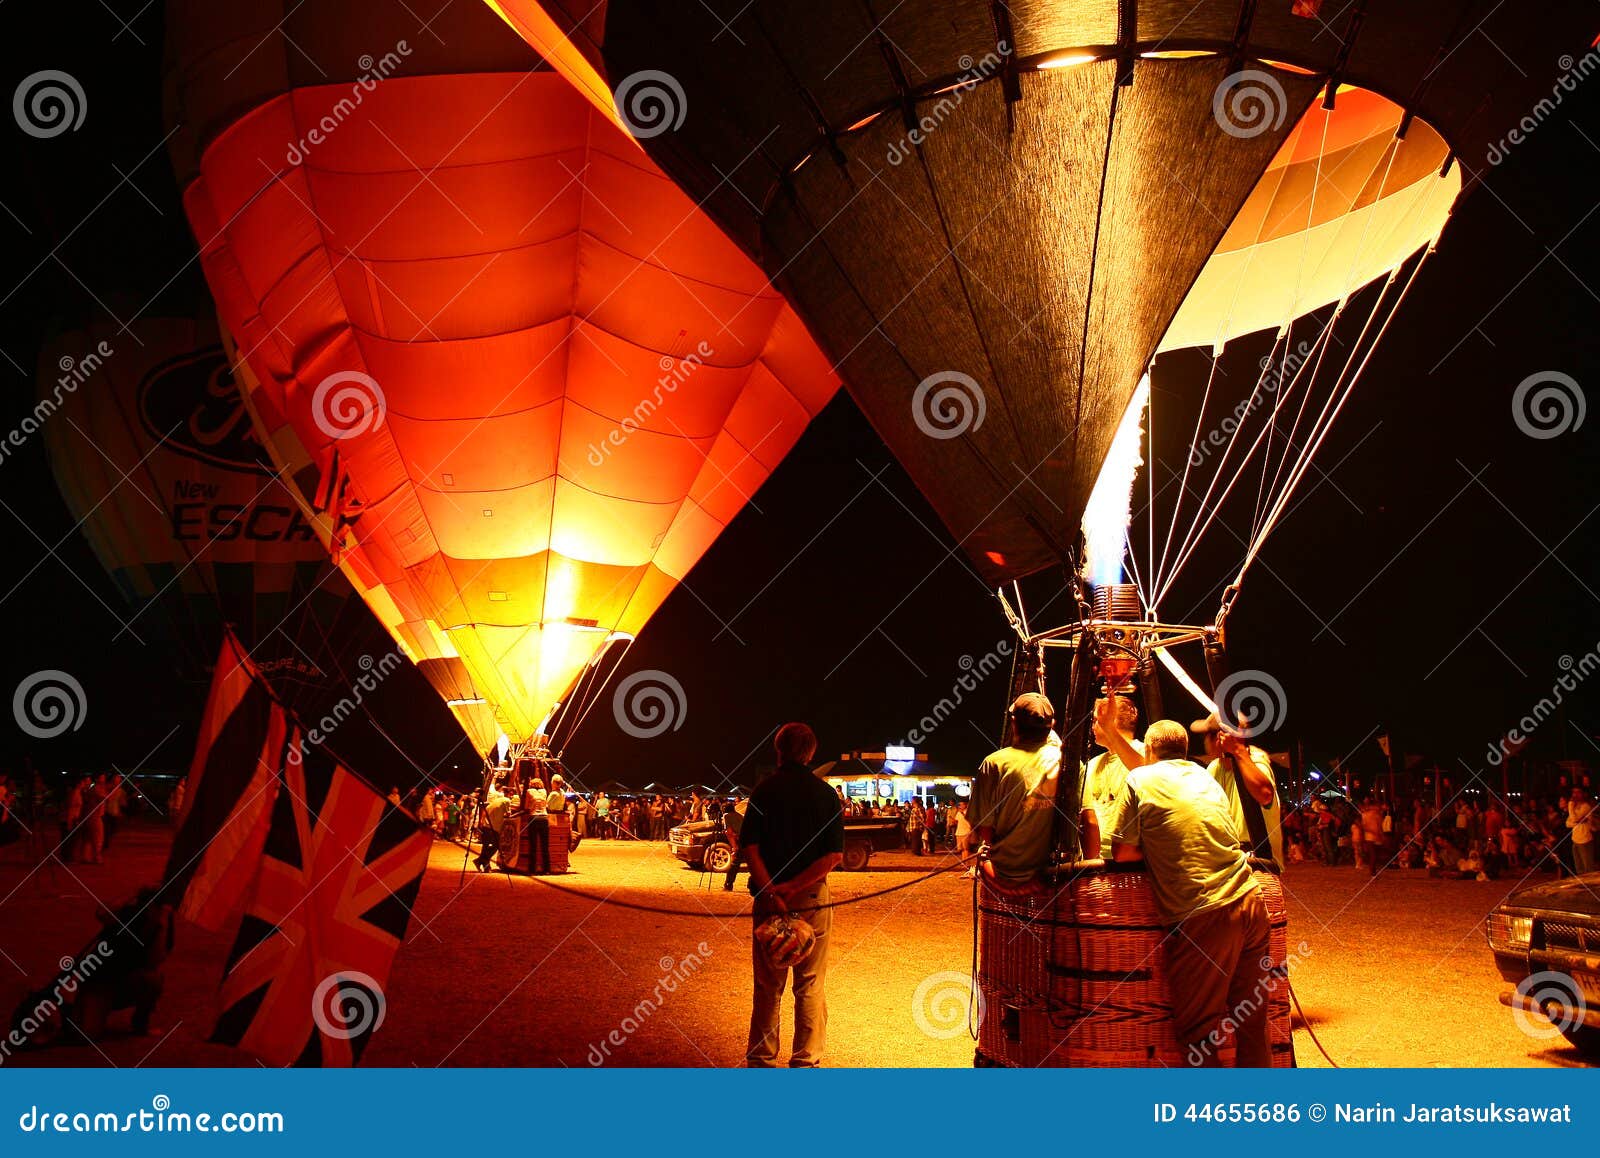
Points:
(1428, 585)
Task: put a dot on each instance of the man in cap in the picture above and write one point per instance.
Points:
(1175, 818)
(1237, 767)
(1012, 808)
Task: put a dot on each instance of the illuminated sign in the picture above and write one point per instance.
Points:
(899, 753)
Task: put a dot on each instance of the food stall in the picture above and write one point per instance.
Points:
(893, 774)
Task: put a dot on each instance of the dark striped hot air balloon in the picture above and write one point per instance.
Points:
(995, 215)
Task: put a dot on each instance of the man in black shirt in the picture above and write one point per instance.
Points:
(792, 838)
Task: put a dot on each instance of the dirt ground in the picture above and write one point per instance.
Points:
(503, 970)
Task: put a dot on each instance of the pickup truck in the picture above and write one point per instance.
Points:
(1546, 943)
(703, 844)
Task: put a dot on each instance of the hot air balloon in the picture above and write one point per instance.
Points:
(157, 462)
(529, 381)
(995, 216)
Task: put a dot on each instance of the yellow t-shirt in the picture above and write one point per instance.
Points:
(1102, 789)
(1014, 794)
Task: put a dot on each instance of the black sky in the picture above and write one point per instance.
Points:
(1429, 585)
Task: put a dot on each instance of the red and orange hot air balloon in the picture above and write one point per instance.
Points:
(523, 378)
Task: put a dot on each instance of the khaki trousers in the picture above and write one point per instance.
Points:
(810, 1000)
(1218, 972)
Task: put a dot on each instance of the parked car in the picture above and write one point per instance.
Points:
(1546, 942)
(704, 843)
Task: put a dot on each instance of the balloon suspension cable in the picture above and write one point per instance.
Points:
(1280, 507)
(597, 687)
(1208, 511)
(1326, 419)
(1283, 470)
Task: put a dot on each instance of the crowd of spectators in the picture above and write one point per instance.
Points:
(1478, 837)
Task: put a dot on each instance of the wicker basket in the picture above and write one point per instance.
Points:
(1075, 976)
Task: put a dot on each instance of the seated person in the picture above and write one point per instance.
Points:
(1012, 808)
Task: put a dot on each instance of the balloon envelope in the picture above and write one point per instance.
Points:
(155, 457)
(531, 379)
(994, 216)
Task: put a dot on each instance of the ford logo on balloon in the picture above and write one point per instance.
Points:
(189, 404)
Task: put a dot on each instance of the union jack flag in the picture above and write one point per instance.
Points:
(338, 876)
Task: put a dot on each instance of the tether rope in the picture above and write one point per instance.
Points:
(665, 912)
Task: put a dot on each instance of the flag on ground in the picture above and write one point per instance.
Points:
(233, 781)
(337, 878)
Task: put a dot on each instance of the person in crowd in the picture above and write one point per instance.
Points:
(961, 831)
(914, 826)
(792, 838)
(602, 815)
(92, 846)
(536, 826)
(1240, 768)
(116, 804)
(1372, 835)
(490, 819)
(425, 811)
(1106, 774)
(10, 822)
(1012, 808)
(1580, 819)
(1328, 833)
(394, 797)
(1511, 841)
(1174, 816)
(732, 825)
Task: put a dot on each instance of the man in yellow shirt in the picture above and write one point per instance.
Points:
(1238, 767)
(1106, 776)
(1012, 808)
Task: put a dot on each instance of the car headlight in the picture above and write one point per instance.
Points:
(1509, 932)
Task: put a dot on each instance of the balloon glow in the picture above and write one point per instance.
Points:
(573, 380)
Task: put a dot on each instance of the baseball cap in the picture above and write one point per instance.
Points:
(1033, 708)
(1209, 724)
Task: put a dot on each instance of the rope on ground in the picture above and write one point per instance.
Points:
(1306, 1021)
(665, 912)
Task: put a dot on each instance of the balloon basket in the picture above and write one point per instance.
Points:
(1075, 976)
